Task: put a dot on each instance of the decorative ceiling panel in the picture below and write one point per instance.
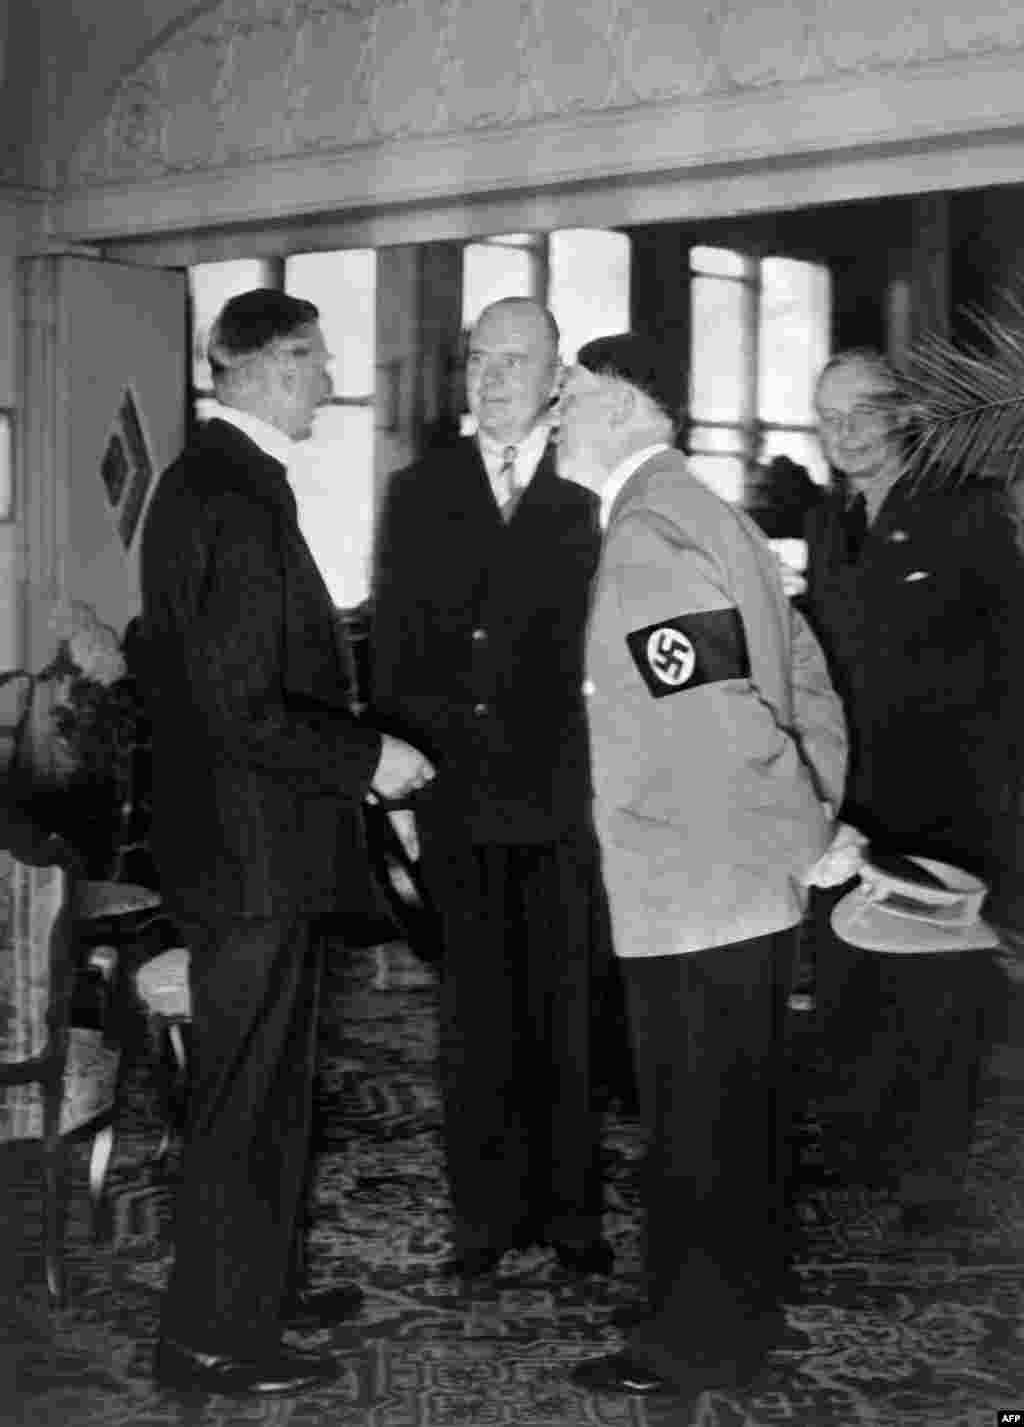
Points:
(278, 79)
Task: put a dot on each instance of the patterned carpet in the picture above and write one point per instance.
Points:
(898, 1333)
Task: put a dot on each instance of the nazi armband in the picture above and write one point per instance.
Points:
(690, 650)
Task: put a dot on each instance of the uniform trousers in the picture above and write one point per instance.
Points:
(526, 959)
(255, 988)
(708, 1043)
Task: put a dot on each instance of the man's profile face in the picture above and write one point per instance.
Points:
(583, 428)
(511, 370)
(858, 424)
(300, 363)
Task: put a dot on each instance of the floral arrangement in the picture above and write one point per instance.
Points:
(72, 744)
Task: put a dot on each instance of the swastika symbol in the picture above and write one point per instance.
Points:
(671, 656)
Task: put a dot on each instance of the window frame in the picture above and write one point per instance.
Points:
(751, 429)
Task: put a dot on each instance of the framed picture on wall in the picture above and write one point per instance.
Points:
(127, 469)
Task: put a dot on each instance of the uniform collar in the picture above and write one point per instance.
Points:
(621, 474)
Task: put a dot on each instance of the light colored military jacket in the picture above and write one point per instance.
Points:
(716, 736)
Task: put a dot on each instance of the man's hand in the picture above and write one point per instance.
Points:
(792, 558)
(400, 770)
(841, 860)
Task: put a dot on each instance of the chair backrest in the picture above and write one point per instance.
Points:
(36, 973)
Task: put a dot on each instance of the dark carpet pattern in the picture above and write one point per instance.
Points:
(899, 1333)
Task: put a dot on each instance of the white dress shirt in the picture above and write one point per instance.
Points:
(529, 452)
(268, 438)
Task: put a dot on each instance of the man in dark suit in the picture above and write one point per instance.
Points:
(259, 771)
(916, 589)
(484, 561)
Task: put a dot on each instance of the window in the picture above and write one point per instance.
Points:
(511, 265)
(332, 473)
(588, 285)
(759, 338)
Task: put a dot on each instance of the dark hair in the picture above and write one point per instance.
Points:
(251, 321)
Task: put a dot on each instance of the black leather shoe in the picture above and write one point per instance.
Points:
(321, 1308)
(618, 1372)
(472, 1263)
(583, 1259)
(276, 1373)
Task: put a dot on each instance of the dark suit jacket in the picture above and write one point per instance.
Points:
(259, 768)
(925, 640)
(477, 643)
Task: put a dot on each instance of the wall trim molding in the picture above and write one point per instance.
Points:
(893, 119)
(714, 192)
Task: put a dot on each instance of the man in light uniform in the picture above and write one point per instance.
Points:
(719, 749)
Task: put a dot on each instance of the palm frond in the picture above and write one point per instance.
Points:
(967, 401)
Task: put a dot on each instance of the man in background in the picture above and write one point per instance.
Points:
(915, 587)
(484, 563)
(259, 771)
(718, 751)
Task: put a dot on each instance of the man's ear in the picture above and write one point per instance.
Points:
(557, 383)
(622, 405)
(287, 369)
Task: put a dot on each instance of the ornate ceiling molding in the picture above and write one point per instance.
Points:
(268, 109)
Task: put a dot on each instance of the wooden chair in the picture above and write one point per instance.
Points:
(57, 1082)
(162, 988)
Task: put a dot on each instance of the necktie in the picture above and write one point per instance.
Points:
(507, 493)
(855, 527)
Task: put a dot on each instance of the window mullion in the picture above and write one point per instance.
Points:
(750, 324)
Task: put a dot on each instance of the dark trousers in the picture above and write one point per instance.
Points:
(255, 991)
(526, 956)
(708, 1042)
(905, 1039)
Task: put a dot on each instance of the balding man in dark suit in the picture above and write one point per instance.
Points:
(485, 558)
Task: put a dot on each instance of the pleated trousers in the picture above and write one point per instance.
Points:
(255, 988)
(526, 969)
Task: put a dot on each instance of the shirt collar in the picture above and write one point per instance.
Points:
(529, 453)
(269, 439)
(621, 474)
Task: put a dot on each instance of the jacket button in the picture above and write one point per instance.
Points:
(479, 708)
(589, 688)
(479, 635)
